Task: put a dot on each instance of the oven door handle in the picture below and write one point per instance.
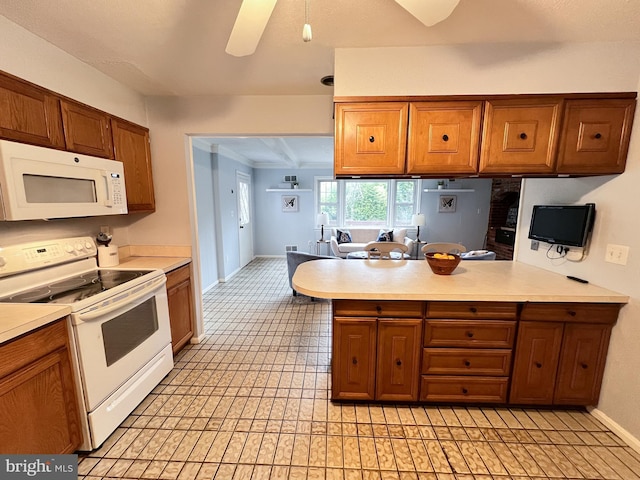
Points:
(148, 288)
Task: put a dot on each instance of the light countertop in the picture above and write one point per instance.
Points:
(19, 318)
(165, 263)
(471, 281)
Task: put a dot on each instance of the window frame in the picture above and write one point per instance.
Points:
(341, 193)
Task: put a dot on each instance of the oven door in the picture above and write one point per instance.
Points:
(118, 339)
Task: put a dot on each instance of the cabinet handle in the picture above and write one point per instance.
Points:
(398, 362)
(469, 334)
(538, 365)
(445, 137)
(598, 135)
(354, 361)
(464, 390)
(372, 139)
(467, 363)
(473, 310)
(584, 365)
(378, 309)
(571, 313)
(523, 136)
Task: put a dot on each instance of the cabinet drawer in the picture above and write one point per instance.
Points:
(472, 310)
(463, 389)
(469, 333)
(368, 308)
(178, 275)
(571, 312)
(461, 361)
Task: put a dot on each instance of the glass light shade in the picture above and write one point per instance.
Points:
(418, 220)
(306, 33)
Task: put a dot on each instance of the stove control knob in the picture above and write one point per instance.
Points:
(79, 246)
(68, 248)
(88, 245)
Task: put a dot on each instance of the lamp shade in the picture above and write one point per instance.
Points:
(322, 219)
(418, 220)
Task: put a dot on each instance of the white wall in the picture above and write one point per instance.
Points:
(29, 57)
(541, 69)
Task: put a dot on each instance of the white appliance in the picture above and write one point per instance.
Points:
(38, 182)
(119, 324)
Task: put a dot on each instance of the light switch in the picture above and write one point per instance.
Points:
(616, 254)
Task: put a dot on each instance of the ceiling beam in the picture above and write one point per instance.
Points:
(280, 148)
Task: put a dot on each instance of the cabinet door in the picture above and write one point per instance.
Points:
(444, 137)
(595, 136)
(131, 147)
(86, 130)
(520, 136)
(584, 353)
(371, 138)
(536, 362)
(179, 297)
(29, 114)
(398, 369)
(353, 360)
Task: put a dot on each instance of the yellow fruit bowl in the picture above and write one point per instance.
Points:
(442, 263)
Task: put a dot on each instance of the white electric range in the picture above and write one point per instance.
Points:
(119, 324)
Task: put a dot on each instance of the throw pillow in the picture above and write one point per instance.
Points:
(343, 236)
(385, 236)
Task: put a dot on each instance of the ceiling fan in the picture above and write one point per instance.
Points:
(254, 14)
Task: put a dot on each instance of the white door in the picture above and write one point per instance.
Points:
(245, 235)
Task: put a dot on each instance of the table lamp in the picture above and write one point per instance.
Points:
(322, 220)
(418, 220)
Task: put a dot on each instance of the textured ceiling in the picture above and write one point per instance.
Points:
(176, 47)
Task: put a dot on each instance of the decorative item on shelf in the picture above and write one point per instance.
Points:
(447, 204)
(418, 220)
(322, 220)
(441, 185)
(442, 263)
(289, 203)
(295, 185)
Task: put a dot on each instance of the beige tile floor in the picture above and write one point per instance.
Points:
(251, 402)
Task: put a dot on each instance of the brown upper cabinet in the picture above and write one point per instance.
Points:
(443, 137)
(35, 115)
(86, 130)
(29, 114)
(131, 147)
(371, 138)
(488, 136)
(595, 136)
(520, 136)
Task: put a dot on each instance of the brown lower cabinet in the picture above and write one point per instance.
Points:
(181, 310)
(470, 352)
(38, 404)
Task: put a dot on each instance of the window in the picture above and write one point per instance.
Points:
(367, 202)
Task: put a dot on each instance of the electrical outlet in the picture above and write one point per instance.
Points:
(535, 244)
(105, 229)
(616, 254)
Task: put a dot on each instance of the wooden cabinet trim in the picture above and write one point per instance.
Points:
(472, 310)
(445, 98)
(571, 312)
(383, 308)
(469, 333)
(463, 389)
(466, 361)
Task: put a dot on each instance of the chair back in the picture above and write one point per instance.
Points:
(444, 247)
(382, 250)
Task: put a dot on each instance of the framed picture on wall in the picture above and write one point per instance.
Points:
(447, 204)
(289, 203)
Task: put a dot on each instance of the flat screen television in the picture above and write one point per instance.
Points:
(568, 225)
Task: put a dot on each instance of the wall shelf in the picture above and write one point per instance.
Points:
(449, 190)
(290, 190)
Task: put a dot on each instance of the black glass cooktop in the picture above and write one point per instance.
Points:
(74, 289)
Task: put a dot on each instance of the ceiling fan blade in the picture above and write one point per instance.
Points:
(429, 12)
(250, 23)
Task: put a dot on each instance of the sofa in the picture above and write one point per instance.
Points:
(361, 236)
(296, 258)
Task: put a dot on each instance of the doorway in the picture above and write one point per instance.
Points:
(245, 229)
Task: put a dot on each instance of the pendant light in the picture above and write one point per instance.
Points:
(306, 30)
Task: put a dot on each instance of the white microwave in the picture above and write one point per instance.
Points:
(41, 183)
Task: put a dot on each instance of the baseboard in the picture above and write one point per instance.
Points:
(197, 340)
(206, 289)
(228, 277)
(626, 437)
(270, 256)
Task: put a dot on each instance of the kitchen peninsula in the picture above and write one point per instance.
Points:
(492, 332)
